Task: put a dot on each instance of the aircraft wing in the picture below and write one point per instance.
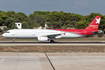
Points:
(51, 35)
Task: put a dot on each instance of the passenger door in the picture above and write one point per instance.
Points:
(14, 34)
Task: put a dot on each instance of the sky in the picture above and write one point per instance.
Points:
(82, 7)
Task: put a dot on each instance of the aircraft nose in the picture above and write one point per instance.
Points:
(3, 35)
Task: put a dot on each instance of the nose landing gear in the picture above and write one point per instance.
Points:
(13, 40)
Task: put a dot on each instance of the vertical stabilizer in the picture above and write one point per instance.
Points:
(94, 25)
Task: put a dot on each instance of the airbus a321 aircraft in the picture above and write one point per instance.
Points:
(50, 34)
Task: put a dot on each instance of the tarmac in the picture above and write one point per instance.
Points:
(52, 61)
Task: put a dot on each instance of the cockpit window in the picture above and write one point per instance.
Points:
(7, 32)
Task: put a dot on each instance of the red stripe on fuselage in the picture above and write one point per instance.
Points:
(78, 31)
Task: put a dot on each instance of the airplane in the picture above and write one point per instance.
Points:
(50, 34)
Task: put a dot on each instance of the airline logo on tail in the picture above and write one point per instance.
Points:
(94, 24)
(98, 21)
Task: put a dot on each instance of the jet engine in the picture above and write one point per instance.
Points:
(42, 38)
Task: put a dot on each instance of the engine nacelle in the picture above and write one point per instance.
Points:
(42, 38)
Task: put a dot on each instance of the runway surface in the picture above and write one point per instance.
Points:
(52, 61)
(56, 43)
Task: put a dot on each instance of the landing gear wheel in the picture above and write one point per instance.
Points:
(52, 41)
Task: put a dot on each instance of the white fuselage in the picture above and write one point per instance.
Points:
(35, 33)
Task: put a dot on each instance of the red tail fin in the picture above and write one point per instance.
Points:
(94, 24)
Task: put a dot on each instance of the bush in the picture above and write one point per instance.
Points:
(1, 30)
(5, 29)
(101, 34)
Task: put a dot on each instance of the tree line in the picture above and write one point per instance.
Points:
(54, 20)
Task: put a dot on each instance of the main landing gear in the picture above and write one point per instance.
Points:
(52, 41)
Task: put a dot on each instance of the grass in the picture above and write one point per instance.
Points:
(69, 49)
